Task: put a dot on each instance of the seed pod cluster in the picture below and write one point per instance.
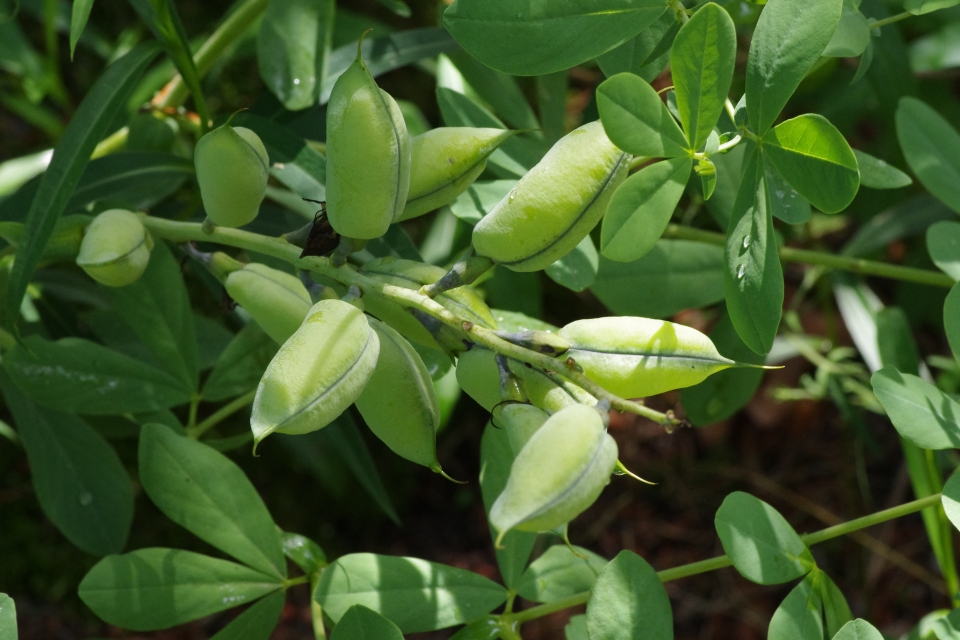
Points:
(232, 166)
(276, 301)
(556, 204)
(558, 473)
(116, 248)
(317, 373)
(639, 357)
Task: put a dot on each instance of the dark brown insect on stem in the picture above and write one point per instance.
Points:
(322, 239)
(226, 302)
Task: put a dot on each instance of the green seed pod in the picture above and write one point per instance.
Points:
(368, 156)
(640, 357)
(232, 168)
(479, 377)
(399, 403)
(560, 471)
(277, 301)
(445, 162)
(520, 421)
(115, 249)
(319, 372)
(556, 204)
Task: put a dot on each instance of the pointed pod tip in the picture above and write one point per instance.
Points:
(436, 469)
(234, 115)
(765, 367)
(359, 47)
(624, 471)
(497, 543)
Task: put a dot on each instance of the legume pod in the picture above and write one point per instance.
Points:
(277, 301)
(520, 421)
(231, 165)
(115, 249)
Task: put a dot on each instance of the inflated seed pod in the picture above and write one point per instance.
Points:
(556, 204)
(368, 156)
(116, 248)
(232, 166)
(399, 403)
(479, 377)
(317, 373)
(639, 357)
(444, 162)
(276, 301)
(560, 471)
(520, 421)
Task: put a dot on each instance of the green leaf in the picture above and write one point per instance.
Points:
(578, 269)
(702, 61)
(725, 392)
(80, 15)
(943, 244)
(303, 551)
(932, 149)
(753, 278)
(646, 54)
(858, 629)
(628, 602)
(87, 127)
(499, 90)
(8, 618)
(496, 458)
(674, 275)
(480, 198)
(851, 36)
(920, 7)
(79, 376)
(552, 104)
(534, 38)
(240, 366)
(903, 220)
(293, 45)
(637, 120)
(297, 165)
(363, 623)
(414, 594)
(209, 496)
(641, 208)
(212, 339)
(877, 174)
(799, 616)
(257, 622)
(399, 7)
(951, 499)
(815, 158)
(789, 38)
(560, 573)
(576, 629)
(484, 629)
(158, 588)
(762, 545)
(836, 611)
(922, 414)
(157, 308)
(785, 202)
(513, 321)
(895, 341)
(80, 482)
(937, 51)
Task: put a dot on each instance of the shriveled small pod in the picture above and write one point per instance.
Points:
(520, 421)
(560, 471)
(399, 403)
(232, 166)
(556, 204)
(276, 301)
(317, 373)
(445, 162)
(368, 156)
(640, 357)
(479, 377)
(116, 248)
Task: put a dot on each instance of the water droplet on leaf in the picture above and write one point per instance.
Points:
(746, 241)
(86, 499)
(742, 269)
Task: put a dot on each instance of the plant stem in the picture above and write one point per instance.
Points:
(220, 414)
(890, 20)
(720, 562)
(833, 261)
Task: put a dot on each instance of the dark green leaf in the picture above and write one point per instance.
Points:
(363, 623)
(943, 244)
(641, 208)
(304, 552)
(159, 588)
(762, 545)
(552, 104)
(81, 13)
(674, 275)
(789, 38)
(485, 629)
(296, 164)
(257, 622)
(560, 573)
(877, 174)
(212, 339)
(645, 54)
(578, 269)
(414, 594)
(207, 494)
(499, 90)
(920, 7)
(637, 120)
(836, 611)
(240, 366)
(799, 616)
(576, 629)
(480, 198)
(87, 127)
(851, 36)
(82, 377)
(859, 630)
(906, 219)
(628, 602)
(535, 38)
(785, 202)
(80, 482)
(895, 341)
(932, 149)
(922, 414)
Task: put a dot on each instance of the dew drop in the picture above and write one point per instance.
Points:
(881, 163)
(519, 15)
(296, 81)
(86, 499)
(746, 241)
(742, 269)
(513, 194)
(780, 194)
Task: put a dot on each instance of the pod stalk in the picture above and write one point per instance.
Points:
(466, 271)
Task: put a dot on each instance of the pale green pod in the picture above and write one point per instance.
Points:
(276, 301)
(479, 377)
(520, 421)
(560, 471)
(368, 156)
(556, 204)
(399, 403)
(640, 357)
(445, 162)
(116, 248)
(319, 372)
(232, 166)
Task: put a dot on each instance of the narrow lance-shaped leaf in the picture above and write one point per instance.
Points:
(78, 20)
(87, 127)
